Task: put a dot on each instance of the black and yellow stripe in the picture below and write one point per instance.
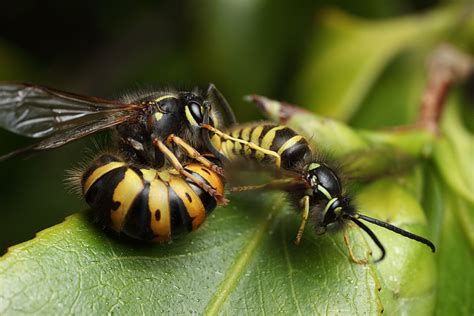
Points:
(317, 189)
(292, 147)
(147, 204)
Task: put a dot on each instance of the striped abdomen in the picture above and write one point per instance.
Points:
(292, 147)
(147, 204)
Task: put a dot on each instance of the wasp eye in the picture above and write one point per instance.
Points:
(195, 109)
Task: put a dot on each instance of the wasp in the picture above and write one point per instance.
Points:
(314, 186)
(156, 183)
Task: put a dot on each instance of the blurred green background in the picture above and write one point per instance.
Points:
(362, 62)
(272, 48)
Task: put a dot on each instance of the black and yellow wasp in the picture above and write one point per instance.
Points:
(313, 186)
(155, 183)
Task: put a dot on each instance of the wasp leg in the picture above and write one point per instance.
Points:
(279, 184)
(349, 248)
(179, 167)
(245, 143)
(194, 154)
(304, 219)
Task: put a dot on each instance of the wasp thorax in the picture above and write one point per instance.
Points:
(323, 181)
(167, 111)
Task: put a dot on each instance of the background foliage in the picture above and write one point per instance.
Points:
(362, 62)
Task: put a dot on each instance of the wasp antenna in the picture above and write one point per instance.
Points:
(372, 235)
(397, 230)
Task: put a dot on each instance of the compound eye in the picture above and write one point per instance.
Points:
(195, 109)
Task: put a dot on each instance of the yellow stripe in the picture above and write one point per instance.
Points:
(229, 145)
(158, 201)
(164, 175)
(235, 133)
(256, 134)
(99, 172)
(237, 146)
(194, 207)
(246, 133)
(246, 136)
(148, 174)
(326, 208)
(168, 96)
(125, 193)
(216, 141)
(324, 191)
(291, 142)
(214, 180)
(268, 140)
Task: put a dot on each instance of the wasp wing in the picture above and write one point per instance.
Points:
(61, 117)
(36, 111)
(374, 163)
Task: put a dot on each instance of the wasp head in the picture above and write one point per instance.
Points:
(335, 210)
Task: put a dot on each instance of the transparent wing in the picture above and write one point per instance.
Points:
(58, 117)
(36, 111)
(374, 163)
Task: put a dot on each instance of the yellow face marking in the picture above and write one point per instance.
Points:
(189, 116)
(158, 201)
(99, 172)
(214, 180)
(148, 174)
(291, 142)
(313, 166)
(158, 116)
(267, 140)
(191, 201)
(125, 194)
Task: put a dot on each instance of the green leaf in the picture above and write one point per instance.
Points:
(451, 221)
(394, 98)
(348, 55)
(242, 261)
(408, 284)
(453, 154)
(456, 254)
